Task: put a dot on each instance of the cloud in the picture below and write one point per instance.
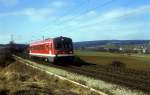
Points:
(9, 2)
(34, 14)
(92, 13)
(93, 18)
(109, 22)
(38, 14)
(126, 12)
(58, 4)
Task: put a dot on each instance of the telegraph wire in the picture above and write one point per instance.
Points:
(46, 27)
(82, 13)
(97, 7)
(62, 21)
(74, 17)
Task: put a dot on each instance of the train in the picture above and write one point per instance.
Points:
(53, 49)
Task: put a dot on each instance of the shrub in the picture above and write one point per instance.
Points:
(117, 64)
(5, 56)
(79, 62)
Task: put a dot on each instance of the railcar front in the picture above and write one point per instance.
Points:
(53, 50)
(63, 49)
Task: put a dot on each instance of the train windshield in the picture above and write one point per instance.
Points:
(62, 43)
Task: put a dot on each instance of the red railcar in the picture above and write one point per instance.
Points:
(52, 49)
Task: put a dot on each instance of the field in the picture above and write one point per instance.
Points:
(130, 70)
(133, 61)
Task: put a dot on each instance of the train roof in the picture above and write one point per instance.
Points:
(41, 42)
(48, 40)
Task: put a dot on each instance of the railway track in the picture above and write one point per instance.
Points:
(91, 91)
(128, 78)
(127, 81)
(116, 78)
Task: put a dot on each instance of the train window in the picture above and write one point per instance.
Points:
(50, 46)
(41, 47)
(65, 44)
(59, 45)
(47, 47)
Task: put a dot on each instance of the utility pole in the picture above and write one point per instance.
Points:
(43, 38)
(12, 38)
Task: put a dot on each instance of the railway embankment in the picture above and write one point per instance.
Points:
(99, 85)
(18, 78)
(76, 85)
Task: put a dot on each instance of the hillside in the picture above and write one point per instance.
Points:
(105, 42)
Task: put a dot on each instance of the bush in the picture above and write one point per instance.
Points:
(118, 64)
(4, 92)
(79, 62)
(5, 56)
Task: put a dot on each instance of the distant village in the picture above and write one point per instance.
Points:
(135, 46)
(110, 47)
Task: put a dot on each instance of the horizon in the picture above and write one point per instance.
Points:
(81, 20)
(80, 41)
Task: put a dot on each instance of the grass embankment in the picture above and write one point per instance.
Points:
(19, 79)
(133, 61)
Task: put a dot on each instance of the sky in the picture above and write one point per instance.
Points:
(82, 20)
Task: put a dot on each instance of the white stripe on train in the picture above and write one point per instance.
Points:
(50, 55)
(34, 44)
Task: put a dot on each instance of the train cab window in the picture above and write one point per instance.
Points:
(65, 44)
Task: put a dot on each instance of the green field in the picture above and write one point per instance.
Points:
(134, 61)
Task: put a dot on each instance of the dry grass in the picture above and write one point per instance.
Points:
(19, 79)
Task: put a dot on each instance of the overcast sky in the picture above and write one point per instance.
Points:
(82, 20)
